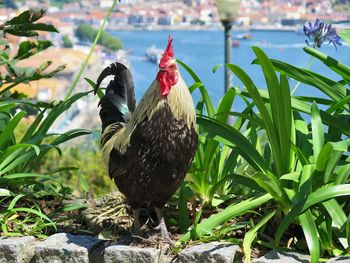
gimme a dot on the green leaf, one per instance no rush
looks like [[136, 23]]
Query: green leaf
[[83, 183], [307, 222], [14, 201], [225, 105], [301, 106], [32, 47], [331, 88], [228, 213], [343, 174], [32, 211], [72, 207], [28, 16], [339, 104], [317, 130], [339, 219], [216, 67], [184, 222], [330, 62], [7, 106], [323, 157], [268, 124], [345, 35], [251, 235], [326, 193], [23, 24], [26, 175], [99, 91], [272, 186], [7, 133], [228, 135], [298, 201]]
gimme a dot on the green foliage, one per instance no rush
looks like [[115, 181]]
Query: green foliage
[[67, 43], [30, 200], [300, 172], [90, 170], [23, 24], [86, 33]]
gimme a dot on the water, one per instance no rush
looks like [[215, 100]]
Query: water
[[202, 50]]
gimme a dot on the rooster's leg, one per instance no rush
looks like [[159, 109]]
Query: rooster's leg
[[162, 226], [136, 215]]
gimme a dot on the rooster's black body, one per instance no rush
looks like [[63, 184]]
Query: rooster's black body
[[149, 148]]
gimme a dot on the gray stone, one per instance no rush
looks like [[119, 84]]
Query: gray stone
[[120, 253], [341, 259], [62, 248], [214, 252], [282, 257], [16, 249]]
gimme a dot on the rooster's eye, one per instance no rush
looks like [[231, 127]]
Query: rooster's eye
[[172, 67]]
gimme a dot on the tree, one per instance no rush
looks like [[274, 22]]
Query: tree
[[87, 33], [67, 43]]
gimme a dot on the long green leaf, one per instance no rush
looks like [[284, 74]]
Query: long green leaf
[[326, 193], [7, 133], [339, 219], [14, 201], [330, 62], [331, 88], [298, 201], [317, 130], [253, 92], [227, 214], [251, 235], [199, 85], [230, 135], [298, 105], [311, 235]]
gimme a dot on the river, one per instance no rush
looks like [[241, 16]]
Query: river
[[202, 50]]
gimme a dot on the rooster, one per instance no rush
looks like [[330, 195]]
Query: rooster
[[148, 149]]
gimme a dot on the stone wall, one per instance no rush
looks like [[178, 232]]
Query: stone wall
[[84, 249]]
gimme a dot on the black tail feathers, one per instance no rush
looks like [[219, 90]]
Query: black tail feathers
[[118, 103]]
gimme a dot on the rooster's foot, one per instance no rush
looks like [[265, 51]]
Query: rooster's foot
[[163, 228]]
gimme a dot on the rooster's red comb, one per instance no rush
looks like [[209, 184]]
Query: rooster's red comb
[[168, 53]]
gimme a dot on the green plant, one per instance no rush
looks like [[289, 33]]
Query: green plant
[[32, 202], [90, 173], [210, 178], [301, 171]]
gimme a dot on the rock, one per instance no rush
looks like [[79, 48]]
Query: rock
[[120, 253], [214, 252], [282, 257], [61, 248], [16, 249], [340, 259]]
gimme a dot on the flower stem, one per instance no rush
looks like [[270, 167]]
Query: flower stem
[[307, 67], [99, 33]]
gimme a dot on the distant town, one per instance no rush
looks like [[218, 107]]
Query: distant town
[[138, 14]]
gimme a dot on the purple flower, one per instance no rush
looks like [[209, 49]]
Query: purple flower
[[320, 32]]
